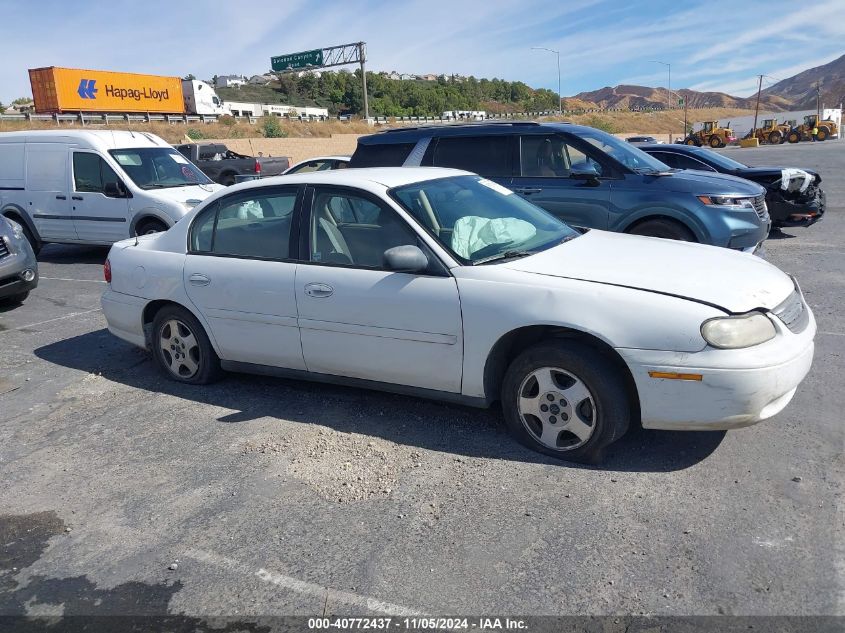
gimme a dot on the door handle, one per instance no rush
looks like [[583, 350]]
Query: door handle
[[318, 290], [61, 197], [527, 191], [198, 279], [76, 198]]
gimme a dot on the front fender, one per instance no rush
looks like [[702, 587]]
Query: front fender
[[13, 209]]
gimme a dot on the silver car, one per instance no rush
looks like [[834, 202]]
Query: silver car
[[18, 266]]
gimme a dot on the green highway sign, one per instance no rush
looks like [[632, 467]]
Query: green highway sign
[[681, 101], [295, 61]]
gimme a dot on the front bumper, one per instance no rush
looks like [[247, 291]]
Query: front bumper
[[13, 265], [738, 387], [788, 213]]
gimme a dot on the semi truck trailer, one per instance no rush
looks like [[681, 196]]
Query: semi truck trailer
[[71, 90]]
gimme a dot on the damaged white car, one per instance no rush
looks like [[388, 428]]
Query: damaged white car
[[439, 283]]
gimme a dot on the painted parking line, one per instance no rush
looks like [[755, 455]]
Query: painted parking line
[[327, 594], [67, 316], [831, 333], [90, 281]]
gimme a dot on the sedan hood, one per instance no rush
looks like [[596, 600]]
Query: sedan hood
[[190, 195], [735, 282], [770, 174], [707, 182]]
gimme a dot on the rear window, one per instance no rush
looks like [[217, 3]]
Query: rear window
[[387, 155], [484, 155]]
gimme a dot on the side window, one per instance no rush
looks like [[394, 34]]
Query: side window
[[382, 155], [351, 229], [549, 156], [253, 224], [485, 155], [91, 173], [667, 158], [688, 162], [314, 165]]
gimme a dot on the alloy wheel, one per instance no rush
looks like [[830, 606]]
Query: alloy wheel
[[179, 349], [557, 408]]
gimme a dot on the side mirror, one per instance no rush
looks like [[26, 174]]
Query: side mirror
[[113, 190], [405, 259], [590, 178]]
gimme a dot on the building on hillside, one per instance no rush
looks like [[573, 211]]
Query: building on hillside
[[261, 80], [393, 75], [20, 108], [315, 73], [230, 81], [428, 77], [407, 77]]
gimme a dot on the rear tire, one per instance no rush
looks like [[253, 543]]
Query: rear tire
[[181, 348], [793, 137], [689, 141], [663, 227], [148, 227], [822, 134], [565, 399]]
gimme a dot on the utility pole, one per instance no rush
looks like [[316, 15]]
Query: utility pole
[[559, 95], [362, 53], [757, 109]]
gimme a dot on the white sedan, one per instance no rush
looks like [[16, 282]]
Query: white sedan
[[439, 283], [319, 163]]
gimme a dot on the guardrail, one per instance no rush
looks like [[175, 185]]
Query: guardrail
[[108, 119]]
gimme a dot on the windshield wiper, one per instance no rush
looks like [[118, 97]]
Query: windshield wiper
[[506, 255]]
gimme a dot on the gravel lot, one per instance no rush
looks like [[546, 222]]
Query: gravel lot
[[126, 493]]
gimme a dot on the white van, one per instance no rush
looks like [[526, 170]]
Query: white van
[[80, 187]]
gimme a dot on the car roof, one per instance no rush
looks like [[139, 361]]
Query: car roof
[[381, 177], [333, 157], [680, 148], [98, 139], [413, 134]]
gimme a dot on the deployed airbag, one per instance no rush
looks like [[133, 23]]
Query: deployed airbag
[[792, 179], [472, 233]]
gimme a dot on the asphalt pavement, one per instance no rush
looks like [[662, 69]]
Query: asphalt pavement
[[123, 492]]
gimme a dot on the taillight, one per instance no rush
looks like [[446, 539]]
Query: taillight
[[257, 168], [107, 271]]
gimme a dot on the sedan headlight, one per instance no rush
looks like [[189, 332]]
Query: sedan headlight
[[735, 332], [727, 201]]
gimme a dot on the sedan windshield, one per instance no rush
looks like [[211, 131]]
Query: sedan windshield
[[627, 154], [480, 221], [158, 168]]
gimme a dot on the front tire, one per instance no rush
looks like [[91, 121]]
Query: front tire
[[14, 300], [181, 348], [793, 137], [565, 399], [775, 138], [665, 228], [822, 134], [715, 141], [150, 226]]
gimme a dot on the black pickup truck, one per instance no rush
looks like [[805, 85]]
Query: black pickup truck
[[222, 165]]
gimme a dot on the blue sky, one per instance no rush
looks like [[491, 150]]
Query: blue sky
[[711, 44]]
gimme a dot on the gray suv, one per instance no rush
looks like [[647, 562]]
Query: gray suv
[[585, 177], [18, 266]]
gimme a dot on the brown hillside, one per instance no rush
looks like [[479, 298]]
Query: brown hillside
[[642, 97], [800, 89]]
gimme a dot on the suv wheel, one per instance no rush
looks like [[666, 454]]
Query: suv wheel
[[665, 228]]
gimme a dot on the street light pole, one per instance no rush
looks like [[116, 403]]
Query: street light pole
[[559, 96]]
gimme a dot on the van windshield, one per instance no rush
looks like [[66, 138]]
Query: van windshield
[[480, 221], [158, 168]]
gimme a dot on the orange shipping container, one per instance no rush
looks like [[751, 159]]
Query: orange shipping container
[[57, 90]]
